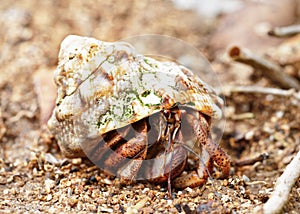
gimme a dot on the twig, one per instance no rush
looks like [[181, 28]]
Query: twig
[[256, 183], [270, 69], [252, 161], [19, 115], [283, 187], [227, 90], [243, 116], [2, 126], [286, 31]]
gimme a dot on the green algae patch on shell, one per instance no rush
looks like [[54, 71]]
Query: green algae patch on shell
[[104, 86]]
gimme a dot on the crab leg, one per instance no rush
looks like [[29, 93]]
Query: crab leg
[[110, 140], [169, 158], [158, 169], [211, 152], [135, 148], [214, 150], [219, 156]]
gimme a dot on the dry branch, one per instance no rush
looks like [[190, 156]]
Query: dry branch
[[2, 126], [252, 161], [283, 187], [227, 90], [286, 31], [269, 69]]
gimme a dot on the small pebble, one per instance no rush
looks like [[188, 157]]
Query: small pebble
[[186, 209], [70, 191], [74, 169], [245, 178], [169, 202], [107, 181], [93, 179], [188, 189], [178, 207], [225, 198], [249, 135], [145, 190], [51, 159], [163, 189], [49, 184], [49, 197], [279, 114], [76, 161]]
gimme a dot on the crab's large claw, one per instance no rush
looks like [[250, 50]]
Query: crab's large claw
[[194, 179]]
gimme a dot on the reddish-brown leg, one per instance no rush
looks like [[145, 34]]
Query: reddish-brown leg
[[211, 152], [96, 150], [201, 128], [135, 148], [159, 168], [167, 157]]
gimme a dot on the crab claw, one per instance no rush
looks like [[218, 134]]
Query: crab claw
[[195, 178]]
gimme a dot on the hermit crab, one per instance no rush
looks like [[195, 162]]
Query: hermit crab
[[134, 116]]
